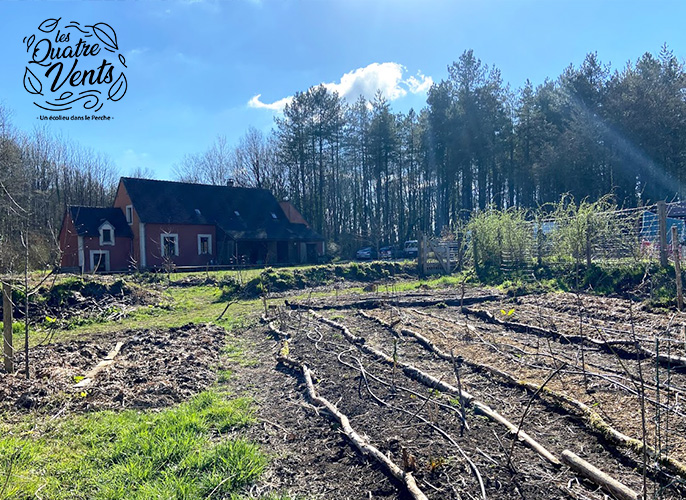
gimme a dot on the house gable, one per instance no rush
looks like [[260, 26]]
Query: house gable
[[95, 238]]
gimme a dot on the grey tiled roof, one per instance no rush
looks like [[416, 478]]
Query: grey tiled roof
[[242, 213], [88, 220]]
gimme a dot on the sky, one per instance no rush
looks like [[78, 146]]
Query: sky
[[199, 69]]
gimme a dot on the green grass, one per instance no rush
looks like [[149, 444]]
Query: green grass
[[199, 304], [181, 452]]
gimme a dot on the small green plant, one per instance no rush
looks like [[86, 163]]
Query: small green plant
[[224, 375]]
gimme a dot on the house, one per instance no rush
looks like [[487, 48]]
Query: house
[[194, 225], [94, 238]]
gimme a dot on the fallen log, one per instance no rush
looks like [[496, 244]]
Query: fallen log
[[432, 382], [592, 419], [379, 302], [613, 346], [107, 361], [367, 449], [598, 477]]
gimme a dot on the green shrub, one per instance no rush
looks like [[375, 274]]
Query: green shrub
[[496, 233]]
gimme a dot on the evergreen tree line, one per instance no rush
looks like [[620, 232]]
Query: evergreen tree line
[[361, 173]]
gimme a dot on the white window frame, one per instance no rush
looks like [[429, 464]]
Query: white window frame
[[176, 244], [209, 244], [106, 225], [106, 253], [129, 214]]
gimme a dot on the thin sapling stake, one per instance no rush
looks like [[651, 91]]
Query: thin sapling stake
[[526, 411], [456, 369]]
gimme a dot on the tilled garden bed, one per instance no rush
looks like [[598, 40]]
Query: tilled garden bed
[[153, 368], [421, 428]]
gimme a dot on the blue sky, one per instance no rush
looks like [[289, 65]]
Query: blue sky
[[195, 68]]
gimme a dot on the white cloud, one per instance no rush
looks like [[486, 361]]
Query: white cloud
[[136, 52], [419, 84], [386, 77], [274, 106]]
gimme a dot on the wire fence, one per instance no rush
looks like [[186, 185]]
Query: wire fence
[[586, 233]]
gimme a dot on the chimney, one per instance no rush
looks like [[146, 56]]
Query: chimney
[[229, 183]]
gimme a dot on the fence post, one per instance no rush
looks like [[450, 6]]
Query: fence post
[[425, 249], [677, 268], [539, 242], [588, 244], [8, 350], [662, 231], [420, 254]]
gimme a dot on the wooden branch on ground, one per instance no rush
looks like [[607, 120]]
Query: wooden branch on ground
[[611, 345], [107, 361], [380, 301], [592, 419], [598, 477], [434, 383], [406, 478]]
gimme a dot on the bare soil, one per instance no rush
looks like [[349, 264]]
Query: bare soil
[[406, 420], [389, 415], [154, 368]]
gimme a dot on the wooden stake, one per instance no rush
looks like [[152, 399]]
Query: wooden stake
[[662, 231], [677, 268], [598, 477], [7, 309]]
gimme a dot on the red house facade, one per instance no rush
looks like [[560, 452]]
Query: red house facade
[[185, 224], [95, 239]]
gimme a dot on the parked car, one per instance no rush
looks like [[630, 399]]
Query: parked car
[[411, 249], [366, 253], [390, 252]]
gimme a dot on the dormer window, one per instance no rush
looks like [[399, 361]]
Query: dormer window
[[106, 234]]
